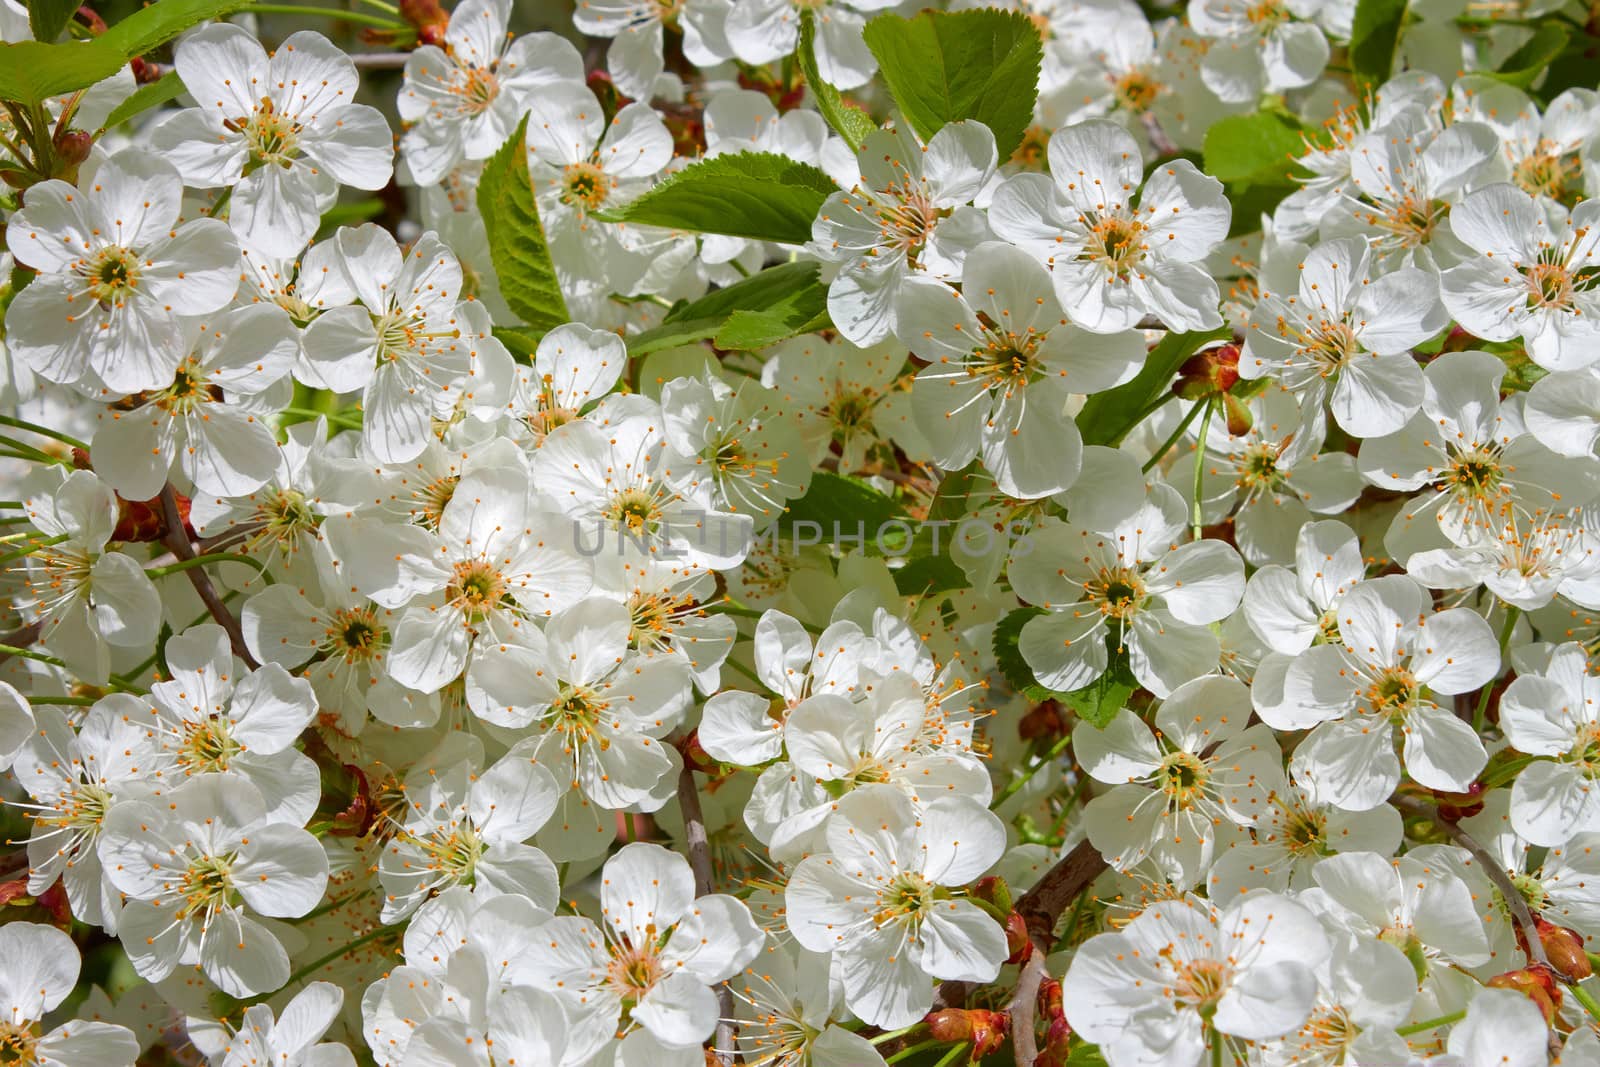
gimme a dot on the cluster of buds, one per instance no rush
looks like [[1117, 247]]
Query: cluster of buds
[[1214, 375], [1056, 1050]]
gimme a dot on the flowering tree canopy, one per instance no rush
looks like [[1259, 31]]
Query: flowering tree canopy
[[800, 533]]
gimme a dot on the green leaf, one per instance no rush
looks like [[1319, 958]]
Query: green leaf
[[32, 72], [516, 238], [1008, 657], [1258, 148], [47, 18], [790, 294], [843, 507], [852, 125], [943, 67], [1098, 702], [1534, 57], [1374, 38], [759, 195], [519, 342], [158, 92], [1108, 416]]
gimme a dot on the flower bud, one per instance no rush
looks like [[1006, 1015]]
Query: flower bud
[[1564, 947], [986, 1030], [1046, 721], [994, 890], [1538, 983], [1216, 370], [72, 148], [1453, 807], [1017, 939], [428, 17]]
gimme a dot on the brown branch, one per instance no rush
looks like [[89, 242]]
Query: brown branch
[[694, 832], [178, 541], [1040, 908], [1496, 872]]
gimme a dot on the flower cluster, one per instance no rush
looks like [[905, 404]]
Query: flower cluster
[[808, 533]]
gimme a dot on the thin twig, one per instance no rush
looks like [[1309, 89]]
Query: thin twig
[[380, 60], [694, 831], [1158, 137], [1040, 908], [1496, 872], [178, 542]]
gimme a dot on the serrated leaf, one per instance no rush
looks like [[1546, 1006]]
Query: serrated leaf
[[1375, 37], [1098, 702], [32, 72], [790, 292], [1008, 657], [1254, 148], [47, 18], [840, 507], [1107, 417], [517, 244], [161, 91], [759, 195], [1534, 57], [851, 124], [943, 67]]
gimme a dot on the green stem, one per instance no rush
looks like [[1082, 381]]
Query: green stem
[[1143, 413], [746, 671], [356, 17], [381, 6], [1480, 718], [62, 698], [950, 1057], [330, 905], [210, 557], [1200, 466], [1584, 997], [348, 421], [1044, 761], [31, 549], [1172, 439], [892, 1034], [750, 613], [43, 431], [28, 653], [907, 1053], [1431, 1024], [322, 961]]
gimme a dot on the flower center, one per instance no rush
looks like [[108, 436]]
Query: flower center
[[1258, 468], [1393, 693], [905, 899], [17, 1044], [1474, 475], [111, 274], [584, 185], [477, 89], [1411, 220], [207, 886], [271, 137], [454, 852], [208, 746], [1200, 986], [1546, 171], [1183, 778], [476, 589], [354, 635], [1119, 591], [1550, 285], [633, 972], [1304, 831], [1007, 359], [1135, 90], [401, 333], [576, 712], [635, 510], [1116, 242]]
